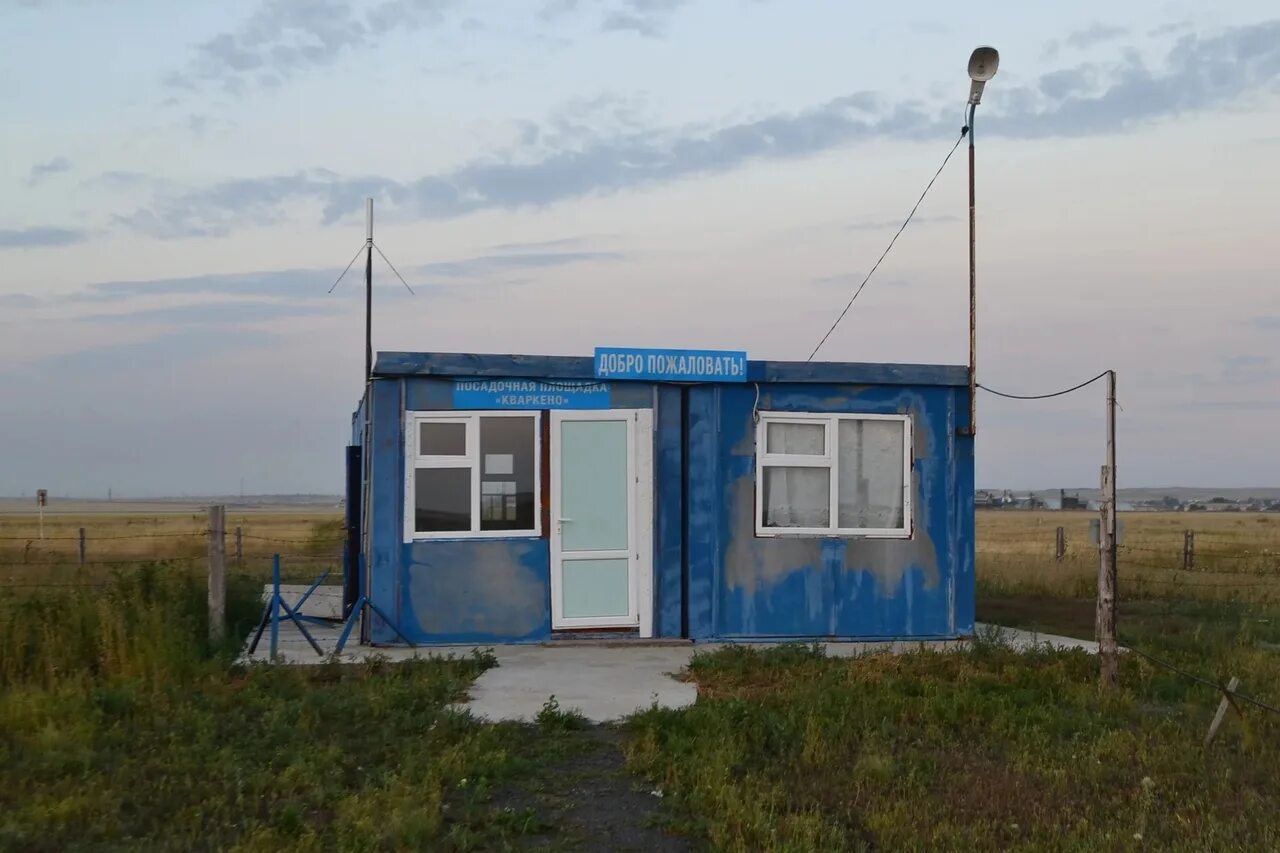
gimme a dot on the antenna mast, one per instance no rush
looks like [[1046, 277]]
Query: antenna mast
[[368, 290]]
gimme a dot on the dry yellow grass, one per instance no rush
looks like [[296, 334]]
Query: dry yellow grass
[[1237, 554], [308, 540]]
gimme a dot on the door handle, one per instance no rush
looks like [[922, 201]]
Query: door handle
[[563, 520]]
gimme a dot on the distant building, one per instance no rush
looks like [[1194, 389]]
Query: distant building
[[1071, 502]]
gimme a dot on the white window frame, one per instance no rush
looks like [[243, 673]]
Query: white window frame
[[471, 459], [828, 460]]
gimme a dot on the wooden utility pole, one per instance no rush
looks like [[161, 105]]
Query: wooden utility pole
[[82, 546], [239, 547], [1189, 550], [217, 573], [1106, 622]]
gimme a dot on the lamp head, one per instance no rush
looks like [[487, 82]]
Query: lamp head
[[983, 63]]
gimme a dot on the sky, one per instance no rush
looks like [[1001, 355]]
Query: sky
[[183, 182]]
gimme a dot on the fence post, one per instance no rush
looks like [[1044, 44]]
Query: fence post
[[217, 573], [1061, 544], [1189, 550], [82, 548], [239, 547], [1221, 713]]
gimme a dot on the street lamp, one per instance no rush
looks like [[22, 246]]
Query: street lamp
[[983, 63]]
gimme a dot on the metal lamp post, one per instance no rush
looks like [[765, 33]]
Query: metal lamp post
[[982, 67]]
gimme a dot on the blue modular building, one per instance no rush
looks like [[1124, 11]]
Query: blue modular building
[[658, 493]]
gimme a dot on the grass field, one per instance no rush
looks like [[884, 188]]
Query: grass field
[[1237, 555], [121, 727], [309, 541]]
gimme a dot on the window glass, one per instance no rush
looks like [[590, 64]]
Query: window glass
[[870, 455], [442, 439], [796, 439], [796, 497], [507, 487], [442, 499]]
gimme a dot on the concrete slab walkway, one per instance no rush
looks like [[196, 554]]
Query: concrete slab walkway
[[603, 681]]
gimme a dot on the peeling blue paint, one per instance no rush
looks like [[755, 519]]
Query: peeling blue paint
[[713, 577], [479, 591], [668, 552]]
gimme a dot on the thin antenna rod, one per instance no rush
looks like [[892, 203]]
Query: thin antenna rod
[[368, 291]]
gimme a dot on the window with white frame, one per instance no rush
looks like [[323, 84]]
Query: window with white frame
[[833, 475], [472, 474]]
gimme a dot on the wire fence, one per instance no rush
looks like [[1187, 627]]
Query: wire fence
[[1200, 605], [94, 559]]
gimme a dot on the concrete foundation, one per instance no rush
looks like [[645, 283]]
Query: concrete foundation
[[604, 680]]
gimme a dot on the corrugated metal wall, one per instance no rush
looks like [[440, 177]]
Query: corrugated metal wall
[[712, 576]]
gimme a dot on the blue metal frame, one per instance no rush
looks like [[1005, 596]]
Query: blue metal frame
[[271, 615]]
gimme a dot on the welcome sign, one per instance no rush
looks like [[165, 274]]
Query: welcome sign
[[671, 365]]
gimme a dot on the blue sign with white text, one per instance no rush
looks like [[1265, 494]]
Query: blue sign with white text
[[671, 365], [529, 394]]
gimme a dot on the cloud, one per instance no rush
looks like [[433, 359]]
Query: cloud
[[283, 38], [846, 279], [236, 313], [1170, 28], [1198, 73], [886, 224], [560, 243], [601, 165], [1246, 368], [40, 237], [553, 9], [1269, 322], [647, 18], [303, 284], [1094, 34], [217, 210], [1220, 406], [507, 263], [124, 180], [280, 284], [40, 171], [1245, 362], [1057, 85], [141, 357]]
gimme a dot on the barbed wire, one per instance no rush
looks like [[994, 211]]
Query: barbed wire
[[117, 538], [90, 538], [307, 541], [103, 583], [162, 560], [1179, 582], [1206, 554], [1202, 680], [133, 562]]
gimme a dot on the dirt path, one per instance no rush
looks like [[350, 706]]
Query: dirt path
[[588, 801]]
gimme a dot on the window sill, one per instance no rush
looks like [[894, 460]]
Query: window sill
[[795, 533], [496, 536]]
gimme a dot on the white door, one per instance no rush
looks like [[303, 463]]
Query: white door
[[601, 519]]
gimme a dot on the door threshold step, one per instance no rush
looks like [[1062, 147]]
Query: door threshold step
[[611, 641]]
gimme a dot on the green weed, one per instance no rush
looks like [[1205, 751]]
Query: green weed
[[788, 749]]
